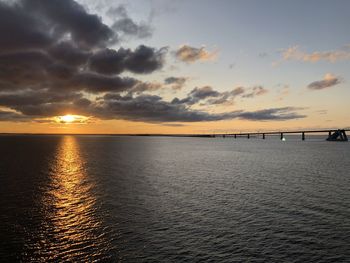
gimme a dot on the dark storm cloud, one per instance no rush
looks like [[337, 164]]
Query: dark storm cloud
[[145, 59], [69, 17], [108, 61], [24, 67], [328, 81], [68, 52], [20, 30], [96, 83], [142, 60]]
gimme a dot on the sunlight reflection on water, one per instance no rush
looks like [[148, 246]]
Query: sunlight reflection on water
[[72, 231]]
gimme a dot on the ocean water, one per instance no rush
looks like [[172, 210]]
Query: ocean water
[[160, 199]]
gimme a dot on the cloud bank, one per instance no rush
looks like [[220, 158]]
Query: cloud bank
[[57, 58]]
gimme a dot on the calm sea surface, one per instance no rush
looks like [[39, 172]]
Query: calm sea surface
[[158, 199]]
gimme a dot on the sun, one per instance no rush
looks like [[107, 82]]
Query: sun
[[67, 118]]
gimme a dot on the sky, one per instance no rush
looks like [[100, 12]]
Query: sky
[[175, 67]]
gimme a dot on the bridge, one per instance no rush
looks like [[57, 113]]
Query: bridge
[[333, 134]]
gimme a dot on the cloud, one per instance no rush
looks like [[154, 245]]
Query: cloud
[[142, 60], [56, 58], [256, 91], [31, 97], [190, 54], [141, 87], [126, 27], [226, 97], [65, 57], [69, 17], [294, 53], [277, 114], [150, 108], [96, 83], [203, 93], [20, 30], [145, 59], [69, 53], [12, 116], [328, 81], [176, 83], [208, 96], [196, 95]]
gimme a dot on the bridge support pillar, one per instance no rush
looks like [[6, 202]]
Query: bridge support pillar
[[303, 136], [338, 135], [281, 135], [248, 135], [263, 136], [235, 136]]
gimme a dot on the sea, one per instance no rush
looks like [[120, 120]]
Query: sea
[[66, 198]]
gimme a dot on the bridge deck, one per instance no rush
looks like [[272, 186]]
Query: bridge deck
[[283, 132], [333, 134]]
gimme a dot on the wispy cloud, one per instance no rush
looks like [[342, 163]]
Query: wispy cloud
[[328, 81], [190, 54], [295, 53], [176, 83], [256, 91]]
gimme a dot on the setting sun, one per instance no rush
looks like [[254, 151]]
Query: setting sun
[[67, 118]]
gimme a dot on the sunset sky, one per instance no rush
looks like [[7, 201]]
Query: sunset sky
[[103, 66]]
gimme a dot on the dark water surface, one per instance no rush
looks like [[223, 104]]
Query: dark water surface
[[153, 199]]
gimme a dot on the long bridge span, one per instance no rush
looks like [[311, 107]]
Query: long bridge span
[[333, 134]]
